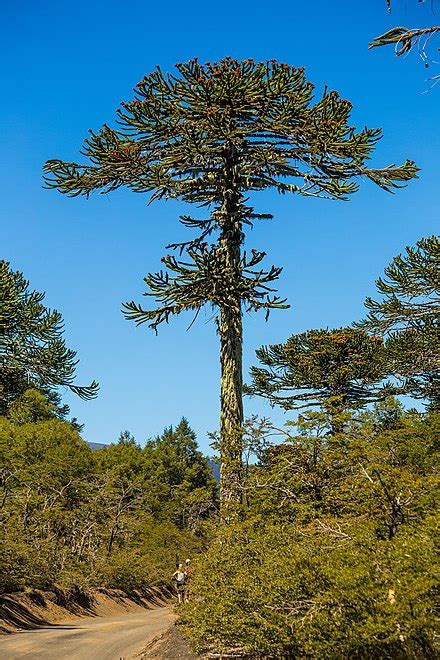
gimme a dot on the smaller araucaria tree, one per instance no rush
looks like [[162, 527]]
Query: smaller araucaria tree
[[32, 351], [408, 315], [338, 370]]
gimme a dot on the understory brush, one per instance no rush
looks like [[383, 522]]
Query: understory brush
[[336, 552], [119, 517]]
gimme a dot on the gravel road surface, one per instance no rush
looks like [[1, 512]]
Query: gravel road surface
[[95, 638]]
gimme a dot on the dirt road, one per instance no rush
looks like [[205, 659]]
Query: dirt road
[[94, 638]]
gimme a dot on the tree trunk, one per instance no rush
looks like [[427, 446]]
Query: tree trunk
[[231, 414], [336, 406], [231, 344]]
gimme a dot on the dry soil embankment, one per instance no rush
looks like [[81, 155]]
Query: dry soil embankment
[[104, 623], [33, 609]]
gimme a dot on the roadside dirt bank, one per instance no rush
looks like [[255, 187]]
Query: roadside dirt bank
[[32, 609], [170, 644]]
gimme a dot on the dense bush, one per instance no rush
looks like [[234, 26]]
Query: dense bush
[[116, 517], [335, 556], [289, 591]]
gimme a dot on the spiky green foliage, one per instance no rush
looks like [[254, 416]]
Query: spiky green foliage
[[210, 135], [173, 138], [206, 279], [215, 132], [408, 315], [32, 350], [336, 369]]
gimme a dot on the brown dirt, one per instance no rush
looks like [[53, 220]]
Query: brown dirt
[[33, 609], [171, 644], [100, 637]]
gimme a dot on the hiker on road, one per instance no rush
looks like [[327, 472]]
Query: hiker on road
[[188, 576], [179, 576]]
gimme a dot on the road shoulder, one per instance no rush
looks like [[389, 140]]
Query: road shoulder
[[170, 644]]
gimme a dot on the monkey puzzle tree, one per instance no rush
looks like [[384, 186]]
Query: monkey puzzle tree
[[32, 351], [210, 135], [408, 315], [338, 370]]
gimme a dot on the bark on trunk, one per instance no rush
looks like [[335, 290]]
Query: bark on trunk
[[231, 344], [231, 415]]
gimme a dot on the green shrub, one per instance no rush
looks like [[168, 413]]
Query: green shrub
[[285, 591], [335, 556]]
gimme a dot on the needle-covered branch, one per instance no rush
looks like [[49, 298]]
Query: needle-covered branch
[[170, 140], [405, 39], [407, 315], [410, 289], [207, 279], [341, 369], [32, 349]]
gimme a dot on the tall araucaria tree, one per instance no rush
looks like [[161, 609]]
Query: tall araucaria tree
[[210, 135]]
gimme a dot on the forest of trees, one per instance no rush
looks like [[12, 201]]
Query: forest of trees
[[332, 552], [114, 517], [321, 540]]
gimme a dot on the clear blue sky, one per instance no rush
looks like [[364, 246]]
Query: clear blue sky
[[65, 67]]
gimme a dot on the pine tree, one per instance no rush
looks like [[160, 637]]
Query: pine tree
[[337, 370], [408, 315], [210, 135], [32, 351]]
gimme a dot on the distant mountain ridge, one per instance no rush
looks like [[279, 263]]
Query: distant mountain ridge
[[215, 468], [96, 445]]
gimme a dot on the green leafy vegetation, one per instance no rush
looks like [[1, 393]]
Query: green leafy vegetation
[[116, 517], [335, 556]]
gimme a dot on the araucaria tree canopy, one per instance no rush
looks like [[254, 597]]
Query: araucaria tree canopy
[[338, 370], [210, 135], [408, 316], [32, 348]]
